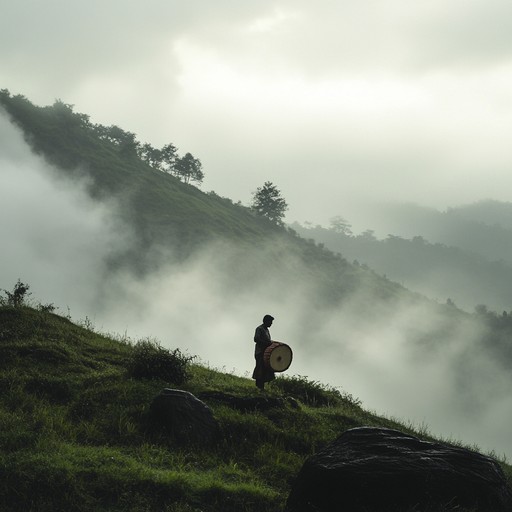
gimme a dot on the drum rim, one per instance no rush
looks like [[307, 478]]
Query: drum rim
[[267, 355]]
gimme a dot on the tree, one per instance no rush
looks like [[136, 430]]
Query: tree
[[70, 119], [17, 297], [368, 235], [125, 141], [341, 226], [267, 202], [188, 168], [168, 157], [151, 155]]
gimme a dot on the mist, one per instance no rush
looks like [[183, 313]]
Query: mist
[[60, 242], [53, 236]]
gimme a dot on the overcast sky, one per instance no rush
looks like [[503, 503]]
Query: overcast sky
[[340, 104]]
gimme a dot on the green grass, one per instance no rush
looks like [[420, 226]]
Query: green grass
[[76, 434]]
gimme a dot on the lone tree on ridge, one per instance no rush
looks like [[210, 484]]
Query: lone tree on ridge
[[268, 202]]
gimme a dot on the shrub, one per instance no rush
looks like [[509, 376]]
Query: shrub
[[17, 297], [150, 360], [313, 392], [46, 308]]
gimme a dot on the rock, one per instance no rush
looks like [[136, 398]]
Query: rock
[[246, 403], [185, 416], [376, 469]]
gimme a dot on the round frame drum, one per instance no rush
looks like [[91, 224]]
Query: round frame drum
[[278, 356]]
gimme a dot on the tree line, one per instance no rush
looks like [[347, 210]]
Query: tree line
[[186, 168], [267, 200]]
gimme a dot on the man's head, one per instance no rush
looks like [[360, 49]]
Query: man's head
[[267, 320]]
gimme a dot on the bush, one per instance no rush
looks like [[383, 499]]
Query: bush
[[150, 360], [312, 392], [17, 298]]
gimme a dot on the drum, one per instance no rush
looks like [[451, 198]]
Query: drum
[[278, 356]]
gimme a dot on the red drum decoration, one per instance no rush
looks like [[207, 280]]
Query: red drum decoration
[[278, 356]]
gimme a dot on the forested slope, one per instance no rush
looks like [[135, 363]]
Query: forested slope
[[167, 213]]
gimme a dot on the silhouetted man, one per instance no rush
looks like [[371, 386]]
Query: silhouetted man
[[262, 338]]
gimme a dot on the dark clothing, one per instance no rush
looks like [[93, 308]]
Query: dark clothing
[[262, 339], [262, 373]]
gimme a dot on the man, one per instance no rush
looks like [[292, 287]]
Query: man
[[262, 339]]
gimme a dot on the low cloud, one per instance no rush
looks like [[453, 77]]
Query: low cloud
[[53, 235]]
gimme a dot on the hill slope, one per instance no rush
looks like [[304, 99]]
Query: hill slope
[[76, 432], [159, 206], [170, 219]]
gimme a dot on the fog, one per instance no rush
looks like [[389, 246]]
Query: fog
[[61, 243], [52, 235]]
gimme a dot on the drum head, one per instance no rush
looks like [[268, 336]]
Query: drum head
[[280, 358]]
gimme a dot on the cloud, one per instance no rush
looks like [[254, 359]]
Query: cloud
[[338, 38], [53, 236]]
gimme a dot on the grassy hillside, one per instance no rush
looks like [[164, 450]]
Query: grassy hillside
[[158, 205], [76, 432]]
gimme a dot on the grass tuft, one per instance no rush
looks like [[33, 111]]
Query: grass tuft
[[149, 360], [314, 393]]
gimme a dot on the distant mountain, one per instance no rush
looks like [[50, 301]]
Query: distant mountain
[[439, 271], [483, 228], [489, 212]]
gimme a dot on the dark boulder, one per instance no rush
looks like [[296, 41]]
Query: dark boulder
[[184, 416], [376, 469]]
